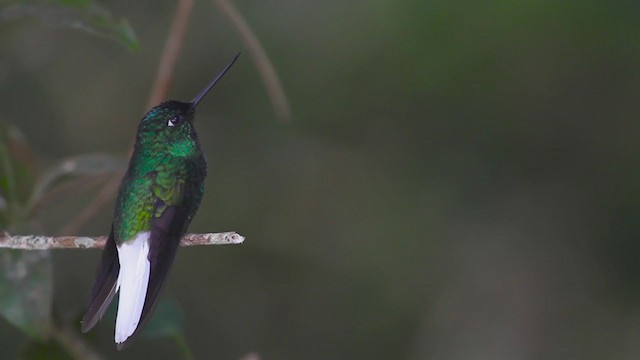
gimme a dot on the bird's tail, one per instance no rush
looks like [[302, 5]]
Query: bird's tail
[[133, 281]]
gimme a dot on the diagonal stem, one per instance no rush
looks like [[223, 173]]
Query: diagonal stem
[[260, 60], [104, 196], [171, 52], [75, 345]]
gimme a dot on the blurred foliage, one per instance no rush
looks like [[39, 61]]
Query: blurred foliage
[[84, 166], [26, 279], [166, 322], [26, 290], [85, 15], [17, 175], [47, 349]]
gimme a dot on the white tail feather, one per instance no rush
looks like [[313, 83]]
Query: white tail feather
[[133, 280]]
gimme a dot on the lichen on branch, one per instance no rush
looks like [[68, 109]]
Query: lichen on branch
[[41, 242]]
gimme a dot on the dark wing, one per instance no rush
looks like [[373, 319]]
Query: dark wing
[[104, 286], [166, 232]]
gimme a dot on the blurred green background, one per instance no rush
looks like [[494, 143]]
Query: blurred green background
[[461, 179]]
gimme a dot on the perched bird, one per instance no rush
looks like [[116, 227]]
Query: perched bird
[[157, 199]]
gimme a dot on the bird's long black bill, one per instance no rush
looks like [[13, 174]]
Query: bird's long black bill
[[204, 91]]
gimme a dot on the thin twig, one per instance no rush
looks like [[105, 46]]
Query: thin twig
[[75, 345], [41, 242], [74, 186], [166, 67], [103, 197], [260, 59], [251, 356], [171, 52]]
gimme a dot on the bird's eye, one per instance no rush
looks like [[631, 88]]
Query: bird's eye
[[174, 121]]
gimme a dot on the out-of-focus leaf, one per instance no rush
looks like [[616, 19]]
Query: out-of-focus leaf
[[82, 165], [50, 350], [85, 15], [124, 32], [75, 3], [166, 321], [17, 171], [26, 290]]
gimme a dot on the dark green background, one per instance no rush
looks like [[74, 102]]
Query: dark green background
[[461, 179]]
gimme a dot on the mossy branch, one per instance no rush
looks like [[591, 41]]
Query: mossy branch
[[41, 242]]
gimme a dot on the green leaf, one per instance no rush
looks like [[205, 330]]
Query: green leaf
[[124, 32], [81, 165], [26, 290], [167, 321], [17, 171], [50, 350], [75, 3], [85, 15]]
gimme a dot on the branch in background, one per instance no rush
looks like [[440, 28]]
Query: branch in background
[[75, 345], [251, 356], [103, 197], [260, 60], [38, 242], [79, 185], [172, 49], [164, 75]]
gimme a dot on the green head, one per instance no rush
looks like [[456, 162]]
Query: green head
[[168, 127]]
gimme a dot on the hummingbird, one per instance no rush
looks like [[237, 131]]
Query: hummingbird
[[157, 199]]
